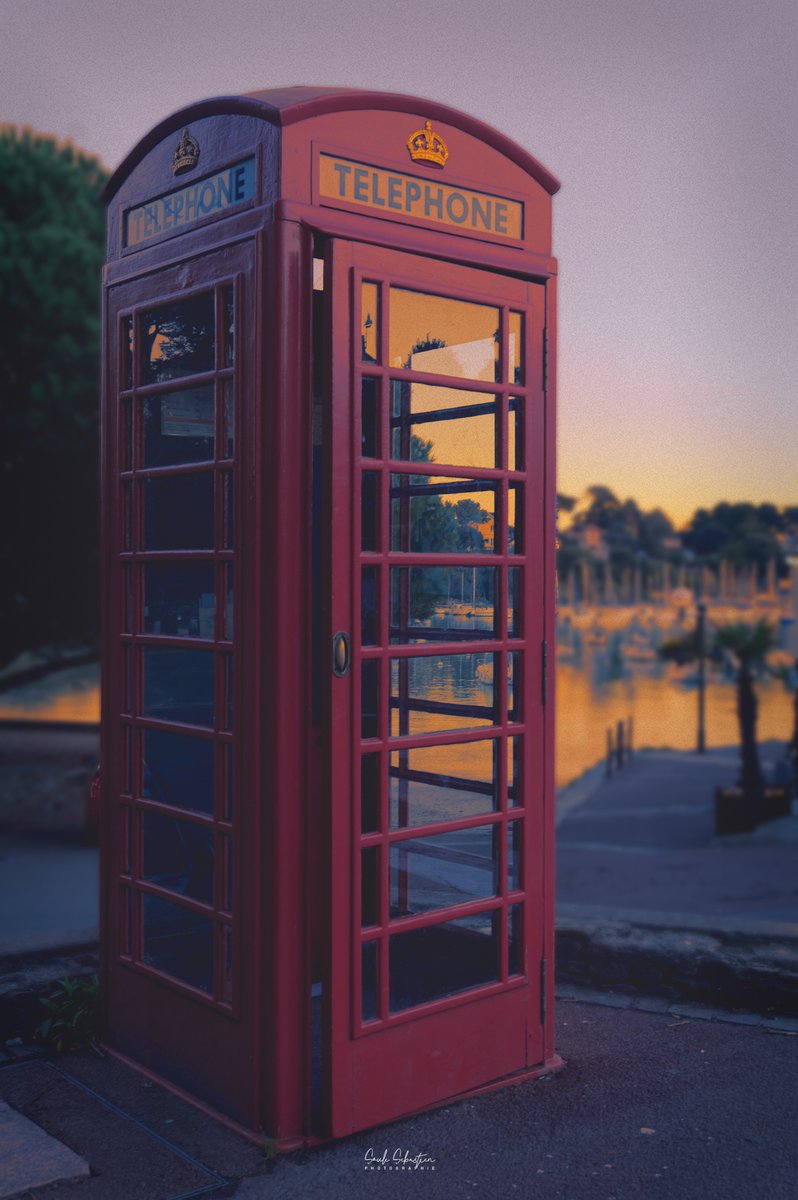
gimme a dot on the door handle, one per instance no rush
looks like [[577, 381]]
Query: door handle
[[340, 654]]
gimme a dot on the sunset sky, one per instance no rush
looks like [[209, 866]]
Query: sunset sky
[[671, 125]]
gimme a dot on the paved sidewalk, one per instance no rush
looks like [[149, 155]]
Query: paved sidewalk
[[649, 1105]]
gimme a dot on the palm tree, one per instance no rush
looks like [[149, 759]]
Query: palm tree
[[747, 646]]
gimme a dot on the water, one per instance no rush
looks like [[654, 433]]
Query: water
[[595, 688]]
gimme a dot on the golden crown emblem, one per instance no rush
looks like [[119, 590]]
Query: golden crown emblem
[[426, 146], [186, 154]]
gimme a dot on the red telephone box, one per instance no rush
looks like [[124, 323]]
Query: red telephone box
[[328, 546]]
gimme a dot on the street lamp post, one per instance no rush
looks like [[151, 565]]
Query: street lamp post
[[702, 677]]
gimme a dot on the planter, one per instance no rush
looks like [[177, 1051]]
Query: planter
[[732, 812]]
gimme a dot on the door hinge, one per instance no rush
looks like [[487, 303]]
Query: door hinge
[[543, 991], [545, 358], [544, 672]]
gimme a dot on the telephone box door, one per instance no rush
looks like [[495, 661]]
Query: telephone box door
[[436, 706]]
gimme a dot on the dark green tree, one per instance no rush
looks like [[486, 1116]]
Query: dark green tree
[[51, 252]]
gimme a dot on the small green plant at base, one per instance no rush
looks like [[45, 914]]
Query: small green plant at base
[[269, 1149], [73, 1014]]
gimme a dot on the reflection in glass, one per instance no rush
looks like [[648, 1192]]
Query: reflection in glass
[[514, 835], [229, 396], [442, 336], [370, 511], [370, 793], [515, 350], [430, 784], [442, 603], [178, 685], [369, 333], [370, 698], [369, 905], [369, 979], [178, 941], [127, 340], [178, 770], [179, 427], [515, 689], [443, 869], [442, 960], [179, 599], [443, 516], [369, 606], [515, 615], [448, 691], [229, 327], [178, 512], [178, 856], [515, 435], [442, 425], [177, 339], [514, 772], [369, 409], [515, 519], [126, 435]]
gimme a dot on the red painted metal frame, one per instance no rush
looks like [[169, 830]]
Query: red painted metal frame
[[299, 855], [355, 1104]]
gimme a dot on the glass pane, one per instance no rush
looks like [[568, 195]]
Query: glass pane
[[442, 516], [515, 519], [442, 425], [226, 752], [515, 614], [178, 856], [369, 606], [369, 907], [442, 960], [229, 692], [229, 327], [444, 869], [179, 427], [178, 512], [178, 685], [514, 842], [515, 350], [227, 602], [514, 772], [370, 793], [369, 333], [177, 339], [370, 511], [128, 328], [369, 980], [516, 935], [125, 839], [228, 445], [177, 770], [178, 942], [447, 691], [442, 783], [179, 599], [228, 874], [515, 435], [443, 336], [125, 436], [369, 418], [515, 687], [442, 604], [228, 527], [370, 698]]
